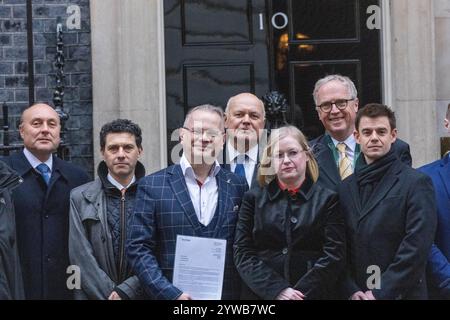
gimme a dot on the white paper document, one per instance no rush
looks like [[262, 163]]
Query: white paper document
[[199, 267]]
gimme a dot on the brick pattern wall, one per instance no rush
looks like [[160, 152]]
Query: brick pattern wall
[[77, 51]]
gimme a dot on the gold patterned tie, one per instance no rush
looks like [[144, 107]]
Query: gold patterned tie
[[345, 165]]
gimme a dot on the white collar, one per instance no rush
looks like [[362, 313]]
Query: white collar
[[35, 161], [350, 142], [186, 166], [233, 153], [117, 184]]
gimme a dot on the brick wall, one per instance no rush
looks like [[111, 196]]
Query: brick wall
[[77, 51]]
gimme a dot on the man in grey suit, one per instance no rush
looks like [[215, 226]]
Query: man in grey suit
[[193, 198]]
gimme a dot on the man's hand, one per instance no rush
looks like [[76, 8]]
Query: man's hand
[[290, 294], [114, 296], [184, 296], [369, 295], [359, 295]]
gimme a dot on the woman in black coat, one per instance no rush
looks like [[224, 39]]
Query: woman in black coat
[[290, 238]]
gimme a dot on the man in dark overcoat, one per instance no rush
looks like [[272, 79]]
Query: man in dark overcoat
[[42, 204], [390, 216]]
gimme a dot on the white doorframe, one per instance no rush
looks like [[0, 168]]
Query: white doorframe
[[386, 54]]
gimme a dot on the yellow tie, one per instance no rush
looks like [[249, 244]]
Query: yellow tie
[[345, 165]]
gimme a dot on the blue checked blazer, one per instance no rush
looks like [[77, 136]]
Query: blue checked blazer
[[163, 210]]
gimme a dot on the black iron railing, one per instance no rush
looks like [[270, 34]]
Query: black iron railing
[[58, 101]]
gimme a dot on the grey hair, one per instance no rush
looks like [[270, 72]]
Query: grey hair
[[206, 107], [346, 81]]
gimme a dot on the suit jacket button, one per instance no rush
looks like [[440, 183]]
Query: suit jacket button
[[294, 220], [285, 251]]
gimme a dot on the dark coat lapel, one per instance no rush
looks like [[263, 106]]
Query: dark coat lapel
[[57, 172], [223, 186], [20, 163], [353, 190], [444, 173], [326, 162], [385, 185], [179, 187]]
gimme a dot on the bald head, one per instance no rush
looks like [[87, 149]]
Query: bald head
[[244, 120], [40, 129], [246, 98], [37, 108]]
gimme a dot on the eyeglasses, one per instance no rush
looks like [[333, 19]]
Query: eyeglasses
[[341, 104], [210, 133]]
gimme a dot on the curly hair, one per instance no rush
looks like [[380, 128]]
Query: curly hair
[[121, 126]]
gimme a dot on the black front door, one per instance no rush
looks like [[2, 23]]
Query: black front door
[[214, 50], [218, 48], [313, 38]]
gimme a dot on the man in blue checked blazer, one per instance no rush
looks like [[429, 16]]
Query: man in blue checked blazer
[[195, 198]]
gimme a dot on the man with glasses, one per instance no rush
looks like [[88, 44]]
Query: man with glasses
[[336, 151], [193, 198]]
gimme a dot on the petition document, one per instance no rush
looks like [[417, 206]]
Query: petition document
[[199, 267]]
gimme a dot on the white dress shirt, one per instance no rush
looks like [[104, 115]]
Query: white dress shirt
[[249, 164], [204, 197], [35, 161], [117, 184], [350, 146]]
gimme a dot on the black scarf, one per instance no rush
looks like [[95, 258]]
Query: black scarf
[[368, 176]]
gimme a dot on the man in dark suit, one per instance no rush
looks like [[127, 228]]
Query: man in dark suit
[[439, 257], [244, 120], [390, 216], [336, 151], [194, 198], [42, 204]]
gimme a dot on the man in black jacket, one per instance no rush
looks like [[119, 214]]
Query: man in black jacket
[[336, 151], [390, 214], [11, 286]]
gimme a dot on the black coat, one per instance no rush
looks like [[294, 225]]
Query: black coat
[[328, 170], [42, 219], [394, 230], [11, 285], [280, 245]]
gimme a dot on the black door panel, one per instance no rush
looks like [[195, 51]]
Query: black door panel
[[214, 50], [323, 37]]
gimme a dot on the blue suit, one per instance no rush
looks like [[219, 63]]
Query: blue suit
[[42, 222], [163, 210], [438, 260]]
